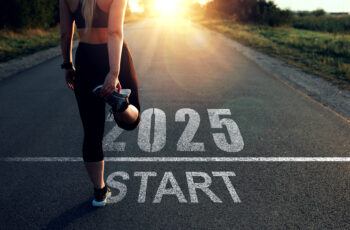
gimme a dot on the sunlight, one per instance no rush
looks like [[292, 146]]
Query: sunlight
[[164, 9], [135, 6], [169, 8], [203, 2]]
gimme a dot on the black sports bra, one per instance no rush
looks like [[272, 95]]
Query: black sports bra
[[100, 18]]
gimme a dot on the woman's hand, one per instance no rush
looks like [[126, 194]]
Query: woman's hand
[[111, 83], [70, 77]]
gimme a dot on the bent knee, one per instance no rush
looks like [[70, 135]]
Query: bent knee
[[129, 126]]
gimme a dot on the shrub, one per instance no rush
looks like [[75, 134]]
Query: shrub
[[23, 13], [268, 13]]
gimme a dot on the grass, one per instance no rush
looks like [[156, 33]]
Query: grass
[[14, 44], [327, 23], [321, 53], [23, 42]]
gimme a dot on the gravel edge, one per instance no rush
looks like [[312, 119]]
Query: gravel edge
[[314, 86], [17, 65]]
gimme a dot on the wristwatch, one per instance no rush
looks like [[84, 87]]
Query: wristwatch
[[67, 65]]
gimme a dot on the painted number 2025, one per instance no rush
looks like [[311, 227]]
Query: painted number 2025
[[234, 142]]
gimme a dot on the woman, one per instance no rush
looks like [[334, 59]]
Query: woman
[[102, 58]]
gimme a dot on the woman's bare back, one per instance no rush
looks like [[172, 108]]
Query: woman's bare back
[[95, 35]]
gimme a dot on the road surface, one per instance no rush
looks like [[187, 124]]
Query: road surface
[[222, 145]]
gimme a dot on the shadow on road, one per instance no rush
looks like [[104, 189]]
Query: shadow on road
[[71, 215]]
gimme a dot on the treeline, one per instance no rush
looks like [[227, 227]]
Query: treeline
[[268, 13], [327, 23], [256, 11], [16, 14]]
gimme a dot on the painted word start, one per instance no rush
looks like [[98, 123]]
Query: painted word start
[[168, 186]]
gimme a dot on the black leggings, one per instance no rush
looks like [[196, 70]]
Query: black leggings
[[92, 67]]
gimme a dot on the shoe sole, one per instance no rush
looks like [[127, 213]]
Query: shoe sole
[[101, 203], [123, 92]]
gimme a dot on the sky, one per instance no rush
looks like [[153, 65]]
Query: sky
[[327, 5]]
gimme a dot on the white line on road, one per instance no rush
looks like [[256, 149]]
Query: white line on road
[[180, 159]]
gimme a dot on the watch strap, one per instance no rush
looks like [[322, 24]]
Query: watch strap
[[67, 65]]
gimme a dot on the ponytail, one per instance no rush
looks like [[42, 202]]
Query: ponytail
[[88, 12]]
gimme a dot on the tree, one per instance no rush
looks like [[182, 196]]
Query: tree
[[318, 12], [24, 13], [257, 11]]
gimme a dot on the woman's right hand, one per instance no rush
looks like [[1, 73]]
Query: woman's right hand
[[110, 85]]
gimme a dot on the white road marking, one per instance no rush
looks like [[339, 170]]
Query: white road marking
[[236, 143], [152, 133], [181, 159], [118, 185], [173, 190], [225, 176], [185, 142], [143, 185], [204, 186], [145, 127], [169, 186], [109, 144]]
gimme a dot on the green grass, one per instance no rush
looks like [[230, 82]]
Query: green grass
[[27, 41], [14, 44], [327, 23], [321, 53]]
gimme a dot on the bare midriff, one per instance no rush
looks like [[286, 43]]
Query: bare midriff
[[93, 36]]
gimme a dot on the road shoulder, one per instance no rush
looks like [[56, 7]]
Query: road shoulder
[[330, 96], [17, 65]]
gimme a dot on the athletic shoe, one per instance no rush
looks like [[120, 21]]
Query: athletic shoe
[[118, 101], [101, 196]]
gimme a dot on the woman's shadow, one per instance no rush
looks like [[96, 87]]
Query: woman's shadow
[[71, 215]]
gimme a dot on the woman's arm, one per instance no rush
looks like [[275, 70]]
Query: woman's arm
[[115, 44], [67, 30]]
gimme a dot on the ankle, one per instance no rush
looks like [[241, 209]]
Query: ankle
[[101, 186]]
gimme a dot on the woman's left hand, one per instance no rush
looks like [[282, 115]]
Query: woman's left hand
[[70, 77], [110, 85]]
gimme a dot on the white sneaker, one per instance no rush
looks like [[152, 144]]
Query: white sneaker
[[101, 196]]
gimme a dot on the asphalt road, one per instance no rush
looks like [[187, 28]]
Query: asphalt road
[[257, 128]]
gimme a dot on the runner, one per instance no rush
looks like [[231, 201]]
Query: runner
[[103, 66]]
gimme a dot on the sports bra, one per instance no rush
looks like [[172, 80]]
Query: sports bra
[[100, 18]]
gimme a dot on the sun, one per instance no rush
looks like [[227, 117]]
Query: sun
[[169, 8]]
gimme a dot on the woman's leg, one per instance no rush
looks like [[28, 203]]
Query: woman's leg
[[92, 113], [130, 118], [91, 109], [130, 115], [96, 173]]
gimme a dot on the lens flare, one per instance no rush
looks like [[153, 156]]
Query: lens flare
[[169, 8]]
